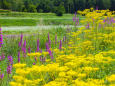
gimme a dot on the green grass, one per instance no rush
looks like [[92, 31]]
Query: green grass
[[17, 22], [33, 19]]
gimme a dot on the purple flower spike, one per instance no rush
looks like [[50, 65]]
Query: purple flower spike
[[60, 45], [75, 15], [10, 60], [49, 41], [19, 57], [77, 20], [9, 69], [0, 58], [24, 49], [73, 19], [34, 63], [76, 23], [104, 20], [3, 56], [1, 76], [52, 57], [21, 39], [38, 45], [1, 37], [41, 51], [87, 26], [19, 44], [24, 45], [112, 20], [47, 47], [51, 54]]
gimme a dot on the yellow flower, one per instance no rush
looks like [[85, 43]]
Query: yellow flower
[[71, 73], [18, 78], [34, 54], [81, 75], [15, 84], [45, 53], [62, 74], [111, 78], [19, 65]]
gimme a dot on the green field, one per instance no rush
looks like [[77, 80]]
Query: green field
[[33, 19]]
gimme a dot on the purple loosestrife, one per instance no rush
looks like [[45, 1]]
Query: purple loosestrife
[[19, 57], [1, 76], [73, 19], [38, 45], [19, 44], [0, 58], [9, 69], [34, 63], [51, 54], [24, 45], [112, 20], [87, 27], [48, 50], [21, 40], [76, 22], [24, 48], [49, 41], [60, 45], [104, 20], [1, 37], [3, 56], [10, 60], [75, 15], [47, 47]]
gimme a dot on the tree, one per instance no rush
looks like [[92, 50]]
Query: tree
[[82, 4], [99, 3], [60, 10], [70, 6], [106, 4], [112, 4], [32, 8]]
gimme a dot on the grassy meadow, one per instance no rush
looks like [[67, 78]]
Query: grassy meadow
[[70, 56], [33, 19]]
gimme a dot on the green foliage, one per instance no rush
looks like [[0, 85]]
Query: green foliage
[[5, 11], [70, 6], [32, 8], [60, 10], [106, 4]]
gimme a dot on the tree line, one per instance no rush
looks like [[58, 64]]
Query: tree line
[[65, 6]]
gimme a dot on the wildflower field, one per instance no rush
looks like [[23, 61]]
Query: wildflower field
[[71, 56]]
